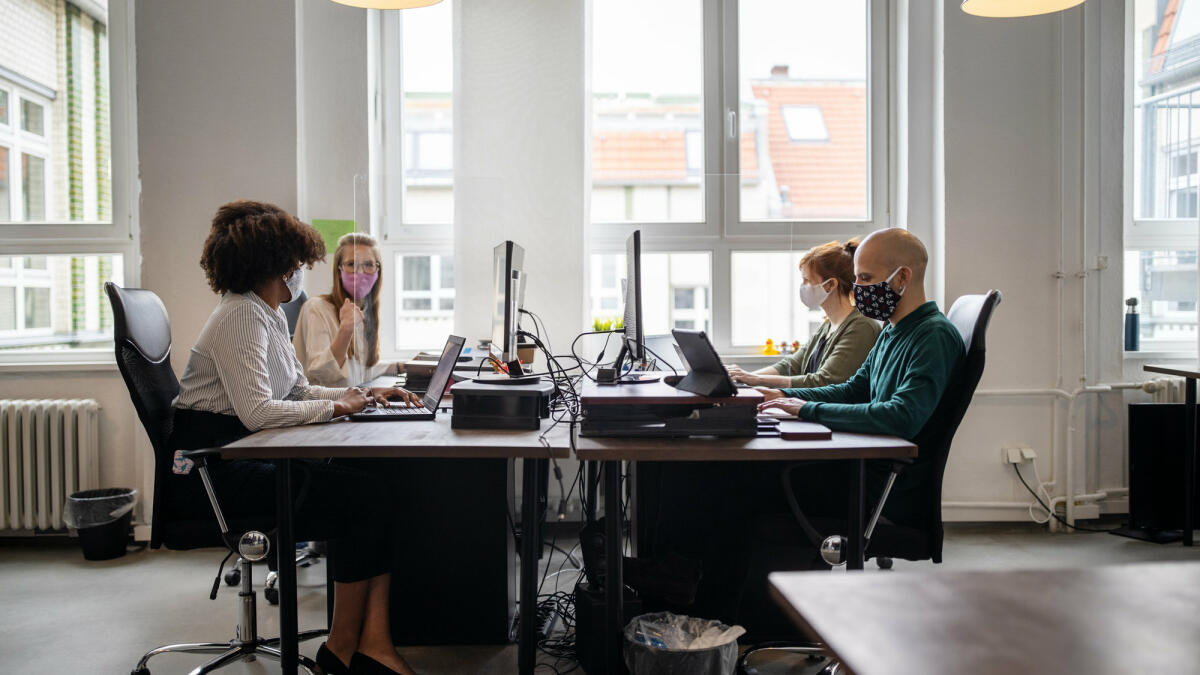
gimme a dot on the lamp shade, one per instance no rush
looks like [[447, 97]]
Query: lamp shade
[[388, 4], [1011, 8]]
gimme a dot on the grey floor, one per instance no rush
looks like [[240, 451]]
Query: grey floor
[[62, 614]]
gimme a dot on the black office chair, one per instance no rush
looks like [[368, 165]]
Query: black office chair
[[142, 337], [884, 541], [291, 309]]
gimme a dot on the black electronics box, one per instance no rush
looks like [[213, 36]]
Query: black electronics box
[[589, 625], [519, 407]]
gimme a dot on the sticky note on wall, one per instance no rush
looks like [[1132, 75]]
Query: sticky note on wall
[[332, 230]]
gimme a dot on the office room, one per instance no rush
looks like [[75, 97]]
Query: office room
[[598, 336]]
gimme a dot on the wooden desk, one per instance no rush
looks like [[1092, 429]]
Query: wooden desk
[[1190, 372], [1120, 619], [612, 451], [435, 439]]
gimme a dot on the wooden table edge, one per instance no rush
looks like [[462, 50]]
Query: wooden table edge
[[1188, 373], [393, 452], [698, 452], [803, 624]]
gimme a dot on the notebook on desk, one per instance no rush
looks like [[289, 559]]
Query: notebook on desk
[[433, 394]]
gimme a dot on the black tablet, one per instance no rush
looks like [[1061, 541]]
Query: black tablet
[[706, 375]]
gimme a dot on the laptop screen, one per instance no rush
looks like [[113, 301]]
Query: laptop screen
[[441, 374]]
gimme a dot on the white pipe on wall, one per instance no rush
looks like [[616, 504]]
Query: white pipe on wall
[[1069, 499]]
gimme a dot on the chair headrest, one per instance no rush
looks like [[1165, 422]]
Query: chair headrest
[[140, 319], [970, 314]]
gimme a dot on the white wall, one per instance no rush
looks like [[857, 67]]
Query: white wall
[[1024, 145]]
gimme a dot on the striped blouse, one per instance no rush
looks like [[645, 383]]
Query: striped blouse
[[243, 364]]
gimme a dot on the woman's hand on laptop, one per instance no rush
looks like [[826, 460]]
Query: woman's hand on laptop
[[790, 406], [384, 395], [352, 400]]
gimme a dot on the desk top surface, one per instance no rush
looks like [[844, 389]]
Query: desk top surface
[[1119, 619], [841, 446], [420, 438], [1189, 370], [659, 393]]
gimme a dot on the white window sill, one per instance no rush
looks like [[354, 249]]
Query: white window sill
[[35, 367], [1150, 355]]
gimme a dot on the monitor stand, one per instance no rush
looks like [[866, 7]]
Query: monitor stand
[[631, 377]]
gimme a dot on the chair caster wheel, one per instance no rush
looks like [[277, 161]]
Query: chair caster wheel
[[884, 563], [272, 595], [143, 671], [233, 577]]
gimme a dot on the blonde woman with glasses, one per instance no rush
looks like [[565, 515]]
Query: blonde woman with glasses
[[337, 334]]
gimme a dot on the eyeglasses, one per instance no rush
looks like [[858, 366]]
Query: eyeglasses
[[362, 266]]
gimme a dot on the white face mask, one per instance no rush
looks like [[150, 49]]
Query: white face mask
[[295, 283], [813, 296]]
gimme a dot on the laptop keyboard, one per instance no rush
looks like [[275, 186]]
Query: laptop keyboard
[[396, 410]]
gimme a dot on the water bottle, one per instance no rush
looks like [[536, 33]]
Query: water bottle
[[1131, 325]]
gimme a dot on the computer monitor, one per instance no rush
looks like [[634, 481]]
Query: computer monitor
[[508, 293], [633, 342]]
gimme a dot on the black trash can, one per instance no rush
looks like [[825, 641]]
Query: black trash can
[[102, 518], [655, 645]]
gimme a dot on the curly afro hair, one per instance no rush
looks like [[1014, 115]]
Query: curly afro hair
[[253, 242]]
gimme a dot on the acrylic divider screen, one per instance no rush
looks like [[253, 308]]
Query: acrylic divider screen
[[765, 299], [803, 79], [676, 290], [427, 116], [424, 300], [647, 111], [56, 302]]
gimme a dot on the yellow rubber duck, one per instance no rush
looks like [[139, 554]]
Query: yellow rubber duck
[[769, 348]]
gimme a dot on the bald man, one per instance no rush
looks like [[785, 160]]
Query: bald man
[[898, 387]]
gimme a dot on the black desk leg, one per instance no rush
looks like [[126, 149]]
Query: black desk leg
[[854, 515], [614, 582], [589, 492], [1189, 462], [289, 646], [531, 541]]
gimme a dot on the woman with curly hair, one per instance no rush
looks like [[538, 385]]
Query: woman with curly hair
[[337, 334], [243, 375]]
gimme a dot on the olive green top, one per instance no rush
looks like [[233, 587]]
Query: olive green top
[[846, 347]]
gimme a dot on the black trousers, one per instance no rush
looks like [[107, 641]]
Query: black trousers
[[345, 503]]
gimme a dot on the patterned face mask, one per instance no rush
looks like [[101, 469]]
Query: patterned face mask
[[877, 301]]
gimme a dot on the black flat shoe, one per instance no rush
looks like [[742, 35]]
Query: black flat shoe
[[361, 664], [329, 662]]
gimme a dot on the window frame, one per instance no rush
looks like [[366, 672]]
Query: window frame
[[118, 236], [722, 231], [1155, 233]]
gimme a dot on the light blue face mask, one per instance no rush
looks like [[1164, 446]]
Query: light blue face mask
[[295, 283]]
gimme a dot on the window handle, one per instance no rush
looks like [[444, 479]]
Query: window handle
[[731, 123]]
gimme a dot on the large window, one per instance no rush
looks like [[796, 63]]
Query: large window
[[1161, 238], [62, 231], [413, 193], [740, 134]]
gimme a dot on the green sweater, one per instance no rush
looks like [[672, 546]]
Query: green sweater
[[899, 385], [845, 349]]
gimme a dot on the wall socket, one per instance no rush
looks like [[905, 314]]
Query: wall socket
[[1017, 454]]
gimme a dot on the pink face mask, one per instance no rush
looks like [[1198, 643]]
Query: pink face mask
[[359, 285]]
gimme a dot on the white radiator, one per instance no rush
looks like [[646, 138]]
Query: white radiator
[[1165, 389], [48, 449]]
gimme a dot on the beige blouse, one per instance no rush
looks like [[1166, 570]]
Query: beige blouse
[[315, 330]]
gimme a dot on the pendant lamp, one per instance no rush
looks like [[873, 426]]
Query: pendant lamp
[[1011, 8], [388, 4]]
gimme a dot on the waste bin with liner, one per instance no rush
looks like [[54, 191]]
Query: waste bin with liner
[[669, 644], [102, 518]]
